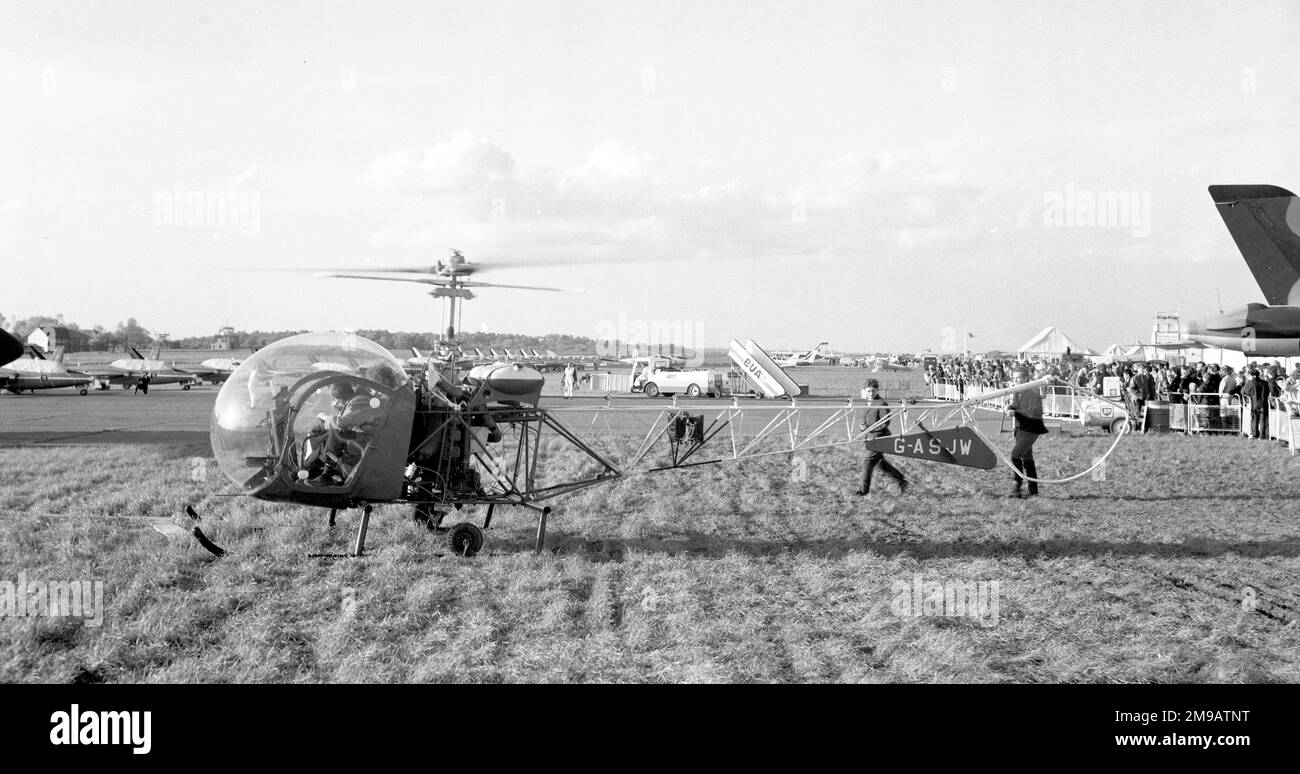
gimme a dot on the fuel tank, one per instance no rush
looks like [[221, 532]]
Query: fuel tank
[[508, 383]]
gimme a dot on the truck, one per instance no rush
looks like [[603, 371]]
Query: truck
[[657, 376]]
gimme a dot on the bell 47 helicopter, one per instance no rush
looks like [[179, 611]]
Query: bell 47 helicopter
[[332, 420]]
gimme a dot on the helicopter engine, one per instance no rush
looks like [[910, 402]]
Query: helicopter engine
[[455, 424]]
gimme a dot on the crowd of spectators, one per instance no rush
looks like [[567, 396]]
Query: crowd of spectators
[[1206, 384]]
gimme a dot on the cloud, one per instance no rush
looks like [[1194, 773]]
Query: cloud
[[460, 164], [612, 165], [14, 207], [623, 202]]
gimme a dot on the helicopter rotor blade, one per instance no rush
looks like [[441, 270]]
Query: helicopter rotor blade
[[351, 275], [518, 287], [446, 282]]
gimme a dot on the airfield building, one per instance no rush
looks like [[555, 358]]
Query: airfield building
[[52, 337], [226, 339], [1167, 328]]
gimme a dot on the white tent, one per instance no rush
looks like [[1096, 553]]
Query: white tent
[[1051, 343]]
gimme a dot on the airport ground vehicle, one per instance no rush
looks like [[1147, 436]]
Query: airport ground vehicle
[[1103, 412], [657, 376]]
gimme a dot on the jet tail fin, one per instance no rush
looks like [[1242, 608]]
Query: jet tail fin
[[1264, 221], [35, 352], [136, 353], [10, 348], [59, 352]]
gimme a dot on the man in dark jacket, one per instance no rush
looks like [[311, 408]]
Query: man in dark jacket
[[1141, 389], [1027, 408], [1256, 391], [876, 422]]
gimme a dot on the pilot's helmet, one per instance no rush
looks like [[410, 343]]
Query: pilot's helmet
[[342, 390]]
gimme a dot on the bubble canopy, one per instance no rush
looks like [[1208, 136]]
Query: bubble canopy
[[245, 418]]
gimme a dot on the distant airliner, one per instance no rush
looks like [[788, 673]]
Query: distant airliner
[[812, 357]]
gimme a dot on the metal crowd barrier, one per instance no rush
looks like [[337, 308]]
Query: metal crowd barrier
[[610, 382], [1283, 417], [949, 389], [1207, 414], [942, 389]]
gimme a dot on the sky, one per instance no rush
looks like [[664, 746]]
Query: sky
[[881, 176]]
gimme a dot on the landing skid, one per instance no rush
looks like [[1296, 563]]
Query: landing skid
[[464, 538], [211, 547]]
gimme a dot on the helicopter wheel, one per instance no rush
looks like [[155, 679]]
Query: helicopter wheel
[[83, 390], [466, 539], [428, 517]]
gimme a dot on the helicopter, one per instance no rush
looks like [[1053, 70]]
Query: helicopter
[[333, 420]]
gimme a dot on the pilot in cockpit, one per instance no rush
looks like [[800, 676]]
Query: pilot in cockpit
[[347, 431]]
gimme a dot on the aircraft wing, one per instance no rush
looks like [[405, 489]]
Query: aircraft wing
[[104, 372]]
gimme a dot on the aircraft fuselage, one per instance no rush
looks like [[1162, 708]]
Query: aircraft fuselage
[[1257, 329]]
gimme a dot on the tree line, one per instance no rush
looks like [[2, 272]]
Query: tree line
[[131, 333]]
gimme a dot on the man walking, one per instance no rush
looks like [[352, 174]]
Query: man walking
[[570, 380], [1027, 408], [876, 422]]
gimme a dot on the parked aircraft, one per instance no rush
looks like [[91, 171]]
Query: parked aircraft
[[813, 357], [35, 372], [10, 348], [127, 371], [1264, 221], [215, 370]]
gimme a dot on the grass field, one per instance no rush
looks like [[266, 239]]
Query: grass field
[[1180, 566]]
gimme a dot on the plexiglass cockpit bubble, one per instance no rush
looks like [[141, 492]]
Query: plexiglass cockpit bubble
[[250, 434]]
